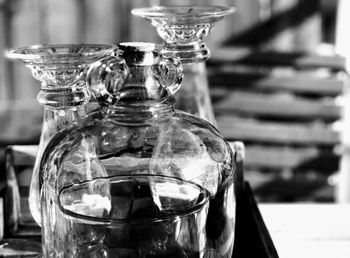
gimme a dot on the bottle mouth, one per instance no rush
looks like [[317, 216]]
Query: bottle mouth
[[137, 46], [139, 53]]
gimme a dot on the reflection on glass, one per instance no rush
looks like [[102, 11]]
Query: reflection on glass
[[135, 216]]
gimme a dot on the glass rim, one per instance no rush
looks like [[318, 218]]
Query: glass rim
[[39, 54], [107, 221], [160, 11]]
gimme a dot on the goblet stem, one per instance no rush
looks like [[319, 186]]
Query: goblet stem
[[195, 88], [53, 121]]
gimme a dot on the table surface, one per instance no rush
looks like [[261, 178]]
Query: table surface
[[309, 230], [303, 230]]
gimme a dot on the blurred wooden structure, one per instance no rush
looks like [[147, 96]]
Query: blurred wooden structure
[[342, 41], [285, 108]]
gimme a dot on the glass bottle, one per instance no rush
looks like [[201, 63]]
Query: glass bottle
[[183, 28], [138, 131], [61, 69]]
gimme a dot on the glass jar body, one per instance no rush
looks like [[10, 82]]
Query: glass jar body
[[171, 143]]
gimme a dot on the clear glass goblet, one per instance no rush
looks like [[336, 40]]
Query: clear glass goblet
[[61, 70], [183, 28]]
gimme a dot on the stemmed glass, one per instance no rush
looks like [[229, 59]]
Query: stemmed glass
[[61, 70], [183, 28]]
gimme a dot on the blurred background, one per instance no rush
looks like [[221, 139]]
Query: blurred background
[[277, 82], [291, 25]]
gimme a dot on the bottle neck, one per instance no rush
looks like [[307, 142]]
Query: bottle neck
[[141, 112], [142, 97], [143, 84]]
